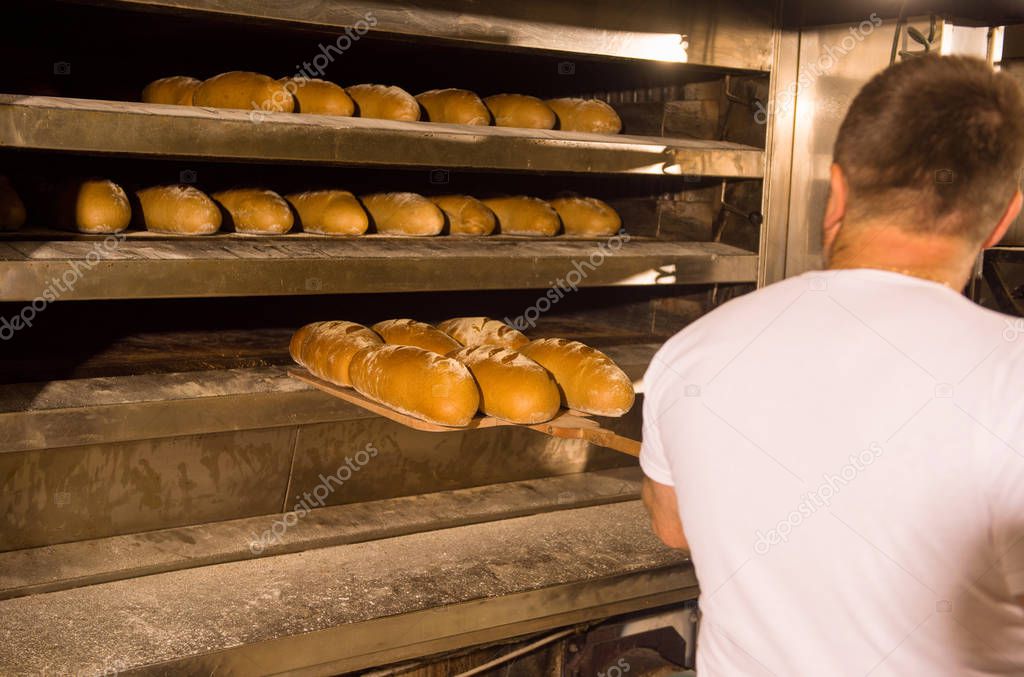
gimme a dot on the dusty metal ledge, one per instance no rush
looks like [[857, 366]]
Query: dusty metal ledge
[[71, 565], [348, 607], [95, 126], [147, 406], [237, 267], [685, 33]]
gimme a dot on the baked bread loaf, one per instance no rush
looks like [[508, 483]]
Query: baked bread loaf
[[245, 90], [181, 210], [256, 211], [419, 334], [381, 101], [326, 348], [521, 215], [588, 379], [93, 206], [319, 97], [416, 382], [12, 209], [512, 386], [586, 115], [403, 214], [466, 215], [177, 90], [586, 216], [520, 110], [482, 331], [330, 212], [454, 106]]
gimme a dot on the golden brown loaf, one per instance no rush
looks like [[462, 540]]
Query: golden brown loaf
[[416, 382], [12, 209], [326, 348], [512, 386], [319, 97], [419, 334], [381, 101], [521, 215], [182, 210], [330, 212], [245, 90], [177, 90], [520, 110], [94, 206], [482, 331], [466, 215], [454, 106], [588, 379], [256, 211], [586, 115], [403, 214], [586, 216]]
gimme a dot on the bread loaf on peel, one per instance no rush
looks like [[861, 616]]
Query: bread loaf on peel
[[244, 90], [326, 348], [454, 106], [176, 89], [466, 215], [330, 212], [182, 210], [482, 331], [512, 386], [522, 215], [416, 382], [381, 101], [586, 115], [584, 216], [318, 97], [403, 214], [419, 334], [520, 110], [256, 211], [588, 379]]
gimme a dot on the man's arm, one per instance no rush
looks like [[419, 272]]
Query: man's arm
[[660, 501]]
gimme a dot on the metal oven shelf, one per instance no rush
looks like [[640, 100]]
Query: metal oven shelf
[[124, 128], [685, 32], [234, 265]]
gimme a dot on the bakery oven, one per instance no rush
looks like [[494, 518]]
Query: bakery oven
[[173, 500]]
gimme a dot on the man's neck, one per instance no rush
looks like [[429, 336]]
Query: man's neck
[[944, 260]]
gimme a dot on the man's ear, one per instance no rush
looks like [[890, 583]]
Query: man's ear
[[1009, 216], [835, 211]]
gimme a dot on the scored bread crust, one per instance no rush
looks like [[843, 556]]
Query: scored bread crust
[[586, 115], [512, 386], [326, 348], [416, 382], [588, 379], [479, 331], [405, 332]]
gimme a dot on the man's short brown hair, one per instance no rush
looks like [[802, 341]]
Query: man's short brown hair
[[936, 145]]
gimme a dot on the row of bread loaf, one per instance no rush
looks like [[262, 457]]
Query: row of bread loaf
[[445, 374], [255, 91], [102, 206]]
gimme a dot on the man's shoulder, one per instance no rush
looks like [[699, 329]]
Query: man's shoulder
[[721, 330]]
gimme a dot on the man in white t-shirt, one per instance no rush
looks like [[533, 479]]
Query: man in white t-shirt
[[843, 452]]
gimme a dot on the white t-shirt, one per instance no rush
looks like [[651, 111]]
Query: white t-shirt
[[847, 448]]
